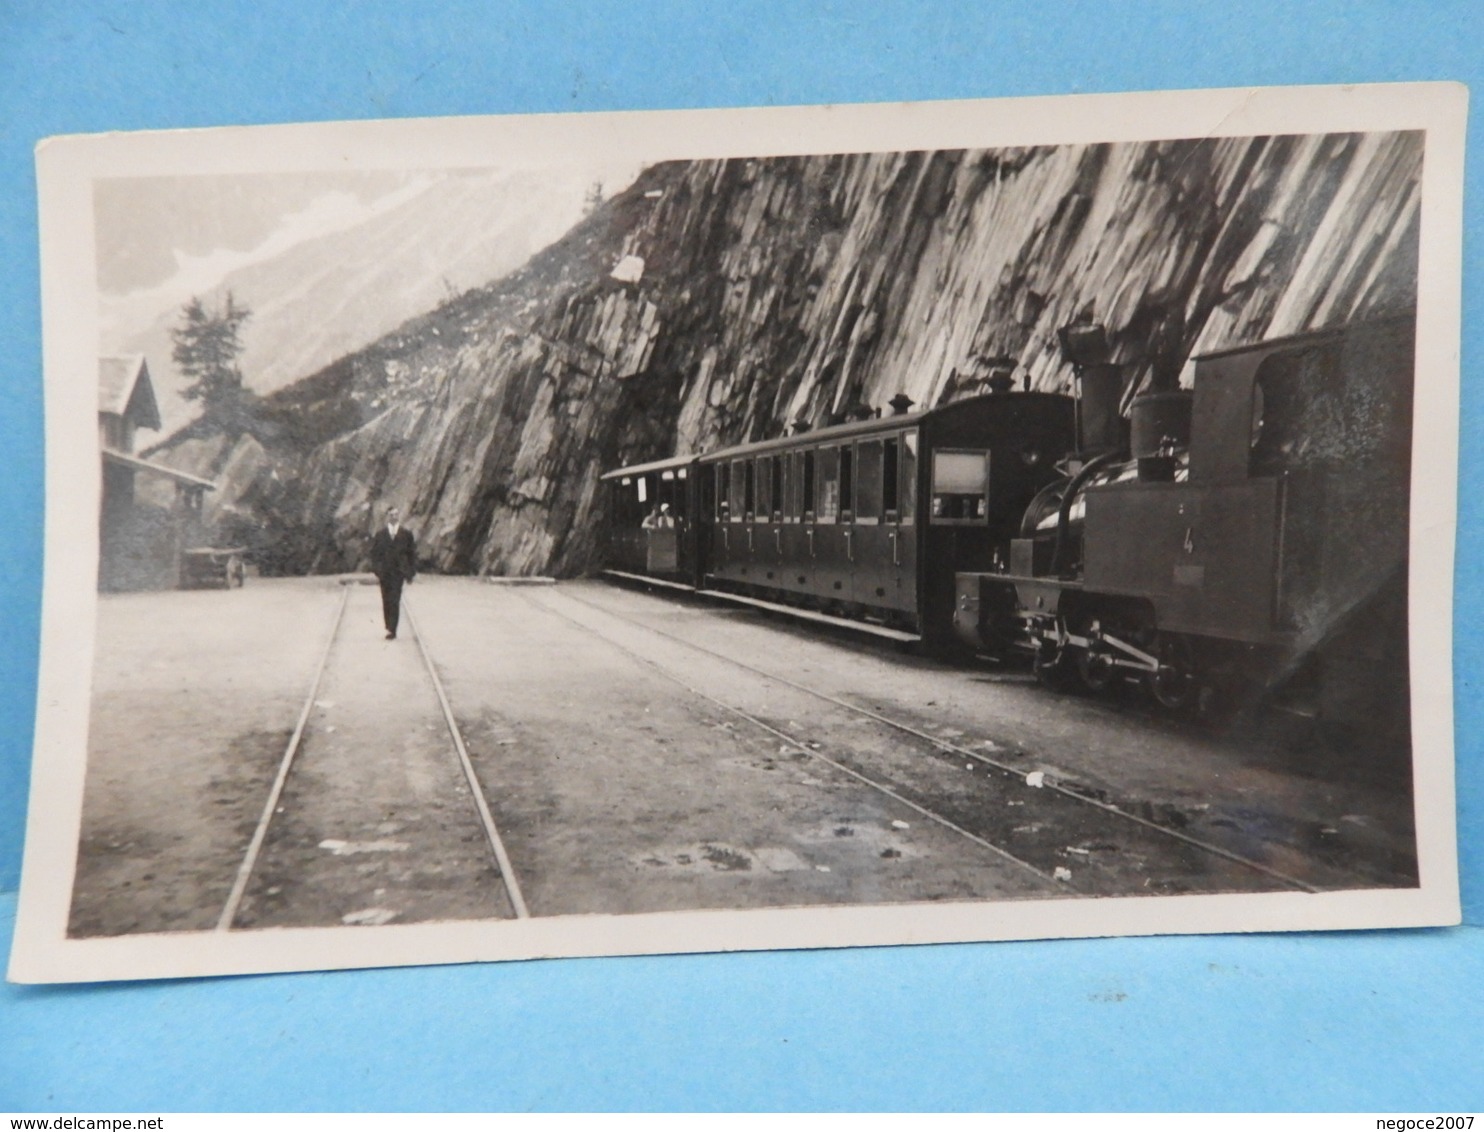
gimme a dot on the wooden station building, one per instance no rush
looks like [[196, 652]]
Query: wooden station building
[[143, 526]]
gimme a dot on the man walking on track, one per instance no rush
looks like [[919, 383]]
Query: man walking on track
[[393, 561]]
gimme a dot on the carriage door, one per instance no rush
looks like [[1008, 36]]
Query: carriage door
[[750, 571], [739, 521], [625, 518], [831, 574], [662, 548], [958, 529], [789, 533], [675, 490], [904, 526], [802, 547], [871, 565], [770, 520]]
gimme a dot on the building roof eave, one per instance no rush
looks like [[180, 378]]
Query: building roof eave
[[113, 455]]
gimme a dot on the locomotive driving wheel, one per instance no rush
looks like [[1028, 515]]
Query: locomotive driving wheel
[[1173, 686]]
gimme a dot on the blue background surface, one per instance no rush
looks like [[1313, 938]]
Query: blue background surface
[[1370, 1021]]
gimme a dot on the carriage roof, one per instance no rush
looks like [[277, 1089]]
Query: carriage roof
[[652, 466], [829, 434]]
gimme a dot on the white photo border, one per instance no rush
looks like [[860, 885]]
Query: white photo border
[[66, 170]]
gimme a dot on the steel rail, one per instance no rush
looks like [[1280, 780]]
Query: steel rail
[[255, 846], [790, 740], [486, 818], [1048, 783]]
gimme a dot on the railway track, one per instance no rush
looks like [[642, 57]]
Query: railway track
[[637, 758], [1037, 788], [273, 812], [794, 742], [1029, 823]]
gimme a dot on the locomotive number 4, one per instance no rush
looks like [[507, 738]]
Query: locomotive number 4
[[1189, 542]]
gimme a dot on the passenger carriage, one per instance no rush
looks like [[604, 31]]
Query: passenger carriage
[[867, 520]]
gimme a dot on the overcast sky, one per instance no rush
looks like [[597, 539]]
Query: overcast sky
[[162, 240]]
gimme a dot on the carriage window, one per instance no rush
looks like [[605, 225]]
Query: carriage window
[[783, 490], [827, 473], [711, 493], [868, 482], [793, 507], [847, 483], [764, 488], [723, 499], [890, 477], [806, 493], [740, 491], [960, 485], [643, 490], [909, 476], [776, 466], [749, 489]]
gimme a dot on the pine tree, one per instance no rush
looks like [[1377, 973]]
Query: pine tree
[[207, 346]]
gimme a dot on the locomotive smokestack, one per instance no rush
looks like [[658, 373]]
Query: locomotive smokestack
[[1166, 351], [1099, 386]]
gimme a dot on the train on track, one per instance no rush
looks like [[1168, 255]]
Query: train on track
[[1245, 536]]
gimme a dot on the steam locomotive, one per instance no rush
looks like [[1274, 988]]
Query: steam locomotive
[[1249, 537], [1244, 537]]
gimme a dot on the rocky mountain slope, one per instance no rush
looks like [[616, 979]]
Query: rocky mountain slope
[[717, 301], [330, 295]]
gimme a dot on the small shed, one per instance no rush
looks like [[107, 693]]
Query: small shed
[[140, 544]]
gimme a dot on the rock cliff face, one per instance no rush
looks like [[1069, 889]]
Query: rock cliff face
[[717, 301]]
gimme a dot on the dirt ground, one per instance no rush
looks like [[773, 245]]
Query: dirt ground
[[195, 694], [1338, 822], [622, 776]]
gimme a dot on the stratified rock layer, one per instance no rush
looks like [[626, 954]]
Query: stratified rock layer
[[717, 301]]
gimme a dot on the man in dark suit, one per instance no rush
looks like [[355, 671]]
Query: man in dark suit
[[394, 562]]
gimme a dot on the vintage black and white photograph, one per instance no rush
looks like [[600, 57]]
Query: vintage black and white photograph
[[736, 529]]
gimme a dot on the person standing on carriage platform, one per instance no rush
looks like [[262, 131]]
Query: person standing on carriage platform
[[394, 562]]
